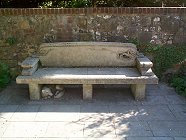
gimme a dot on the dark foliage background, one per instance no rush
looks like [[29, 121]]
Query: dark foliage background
[[89, 3]]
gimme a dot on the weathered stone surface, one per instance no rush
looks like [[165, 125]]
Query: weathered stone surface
[[144, 65], [168, 128], [138, 90], [150, 138], [145, 71], [58, 94], [144, 62], [132, 128], [34, 90], [29, 62], [155, 112], [87, 92], [46, 92], [75, 54], [29, 71], [87, 76]]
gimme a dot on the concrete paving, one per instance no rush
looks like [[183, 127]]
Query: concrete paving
[[113, 114]]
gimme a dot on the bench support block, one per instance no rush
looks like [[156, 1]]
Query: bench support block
[[34, 90], [87, 92], [138, 90]]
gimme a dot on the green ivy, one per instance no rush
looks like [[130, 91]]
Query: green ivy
[[4, 75]]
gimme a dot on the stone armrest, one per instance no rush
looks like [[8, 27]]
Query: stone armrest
[[144, 65], [29, 65]]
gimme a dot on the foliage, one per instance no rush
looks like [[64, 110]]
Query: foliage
[[89, 3], [11, 40], [179, 81], [66, 4], [4, 75], [165, 56], [180, 84]]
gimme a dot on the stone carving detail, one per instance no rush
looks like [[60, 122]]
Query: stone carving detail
[[129, 54], [59, 91], [43, 52], [48, 92]]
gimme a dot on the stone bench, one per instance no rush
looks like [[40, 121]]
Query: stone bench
[[87, 63]]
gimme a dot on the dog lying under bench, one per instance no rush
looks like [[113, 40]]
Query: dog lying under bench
[[87, 63]]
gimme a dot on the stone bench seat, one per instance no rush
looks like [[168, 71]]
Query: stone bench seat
[[87, 63], [87, 76]]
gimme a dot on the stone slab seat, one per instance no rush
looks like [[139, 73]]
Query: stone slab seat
[[88, 63]]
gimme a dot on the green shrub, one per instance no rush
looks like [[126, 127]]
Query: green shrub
[[167, 56], [4, 75], [164, 57], [179, 82]]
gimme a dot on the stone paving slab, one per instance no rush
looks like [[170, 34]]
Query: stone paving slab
[[113, 114], [168, 128], [58, 113], [175, 99], [3, 127], [121, 112], [6, 112], [25, 129], [179, 111], [64, 129], [150, 138], [155, 100], [99, 129], [180, 138], [157, 112], [130, 128], [25, 113]]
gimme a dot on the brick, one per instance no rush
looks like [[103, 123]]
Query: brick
[[78, 10], [81, 11], [164, 11], [131, 10], [60, 11], [119, 10], [157, 11], [69, 11], [45, 11], [127, 10], [19, 11], [109, 10], [152, 11], [99, 10], [160, 10], [48, 10], [115, 10], [52, 10], [1, 12], [95, 10], [27, 11], [148, 10], [12, 11], [140, 11]]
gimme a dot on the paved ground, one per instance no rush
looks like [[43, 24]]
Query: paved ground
[[113, 114]]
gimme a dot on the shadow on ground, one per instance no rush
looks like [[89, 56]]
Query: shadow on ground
[[113, 113]]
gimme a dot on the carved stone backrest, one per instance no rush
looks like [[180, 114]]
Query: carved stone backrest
[[88, 54]]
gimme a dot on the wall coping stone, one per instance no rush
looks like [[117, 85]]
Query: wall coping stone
[[87, 11]]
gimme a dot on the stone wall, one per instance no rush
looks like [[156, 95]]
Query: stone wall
[[23, 30]]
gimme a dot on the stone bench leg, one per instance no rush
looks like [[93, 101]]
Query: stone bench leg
[[35, 91], [138, 90], [87, 92]]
